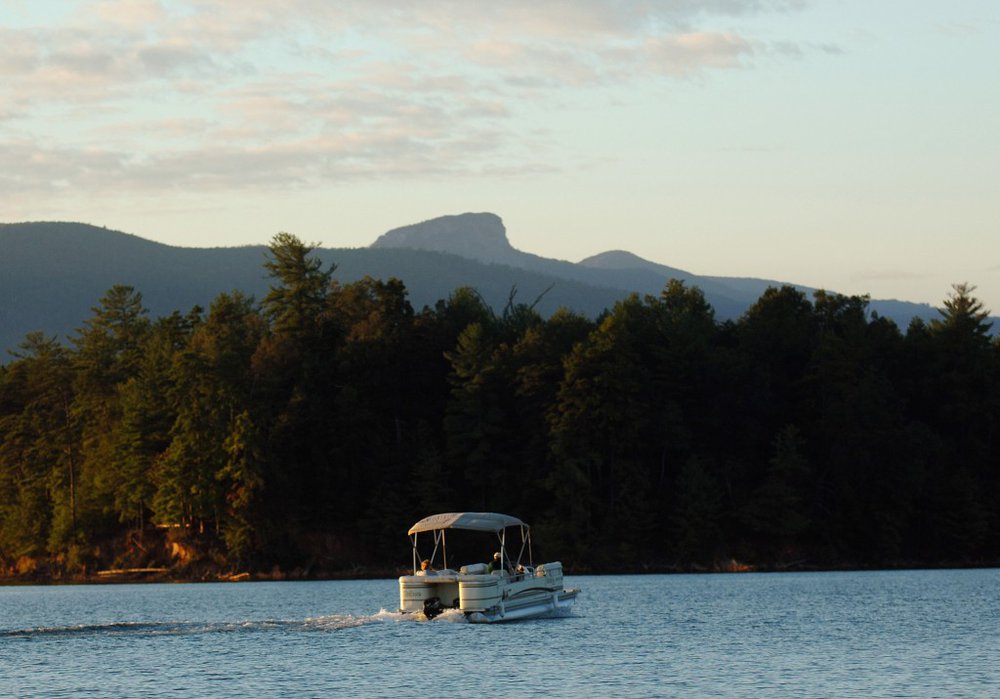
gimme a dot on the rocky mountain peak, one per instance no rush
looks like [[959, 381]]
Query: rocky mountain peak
[[478, 236]]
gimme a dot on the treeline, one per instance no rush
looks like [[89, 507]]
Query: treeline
[[310, 429]]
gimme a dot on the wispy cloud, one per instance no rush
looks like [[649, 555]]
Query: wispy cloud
[[684, 54], [210, 93]]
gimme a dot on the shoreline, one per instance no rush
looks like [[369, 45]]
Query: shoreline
[[171, 576]]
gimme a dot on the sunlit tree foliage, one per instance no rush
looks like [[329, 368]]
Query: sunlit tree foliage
[[308, 429]]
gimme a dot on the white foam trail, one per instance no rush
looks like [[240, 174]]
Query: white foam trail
[[386, 615], [335, 622], [346, 621], [332, 622], [452, 616], [108, 629]]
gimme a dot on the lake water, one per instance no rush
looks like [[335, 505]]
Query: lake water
[[872, 634]]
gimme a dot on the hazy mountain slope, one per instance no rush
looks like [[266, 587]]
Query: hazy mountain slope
[[482, 236], [736, 288], [622, 259], [432, 276], [52, 274]]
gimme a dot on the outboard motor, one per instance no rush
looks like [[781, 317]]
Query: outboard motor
[[432, 607]]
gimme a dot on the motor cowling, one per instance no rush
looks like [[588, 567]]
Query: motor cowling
[[433, 607]]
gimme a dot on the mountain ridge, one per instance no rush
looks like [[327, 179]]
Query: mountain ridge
[[53, 273]]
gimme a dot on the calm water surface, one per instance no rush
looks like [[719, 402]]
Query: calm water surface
[[882, 634]]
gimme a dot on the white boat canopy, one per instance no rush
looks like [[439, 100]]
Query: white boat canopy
[[474, 521]]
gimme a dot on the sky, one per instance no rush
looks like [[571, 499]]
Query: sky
[[850, 145]]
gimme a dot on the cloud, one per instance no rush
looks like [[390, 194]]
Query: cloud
[[959, 30], [133, 14], [684, 54], [210, 93], [392, 140], [173, 57]]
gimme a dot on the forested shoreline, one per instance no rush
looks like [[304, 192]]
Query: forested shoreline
[[306, 431]]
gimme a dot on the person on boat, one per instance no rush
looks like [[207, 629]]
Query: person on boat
[[495, 564], [425, 567]]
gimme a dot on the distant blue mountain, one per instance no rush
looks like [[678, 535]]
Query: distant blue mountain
[[52, 274], [482, 237]]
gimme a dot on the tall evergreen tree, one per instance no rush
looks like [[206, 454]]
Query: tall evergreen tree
[[109, 350], [38, 446], [298, 294], [603, 428], [212, 388], [148, 413], [962, 377], [292, 364]]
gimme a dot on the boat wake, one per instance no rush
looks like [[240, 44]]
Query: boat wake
[[448, 616], [333, 622]]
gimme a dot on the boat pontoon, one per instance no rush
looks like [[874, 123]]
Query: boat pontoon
[[509, 588]]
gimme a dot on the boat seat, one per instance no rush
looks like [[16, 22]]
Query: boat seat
[[474, 569]]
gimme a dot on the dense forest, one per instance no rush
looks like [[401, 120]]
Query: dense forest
[[306, 431]]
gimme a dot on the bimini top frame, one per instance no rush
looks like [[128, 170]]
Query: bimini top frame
[[470, 521], [474, 521]]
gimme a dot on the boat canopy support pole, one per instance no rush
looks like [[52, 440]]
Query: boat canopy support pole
[[438, 544], [525, 542]]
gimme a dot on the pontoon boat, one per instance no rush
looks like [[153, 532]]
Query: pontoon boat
[[509, 588]]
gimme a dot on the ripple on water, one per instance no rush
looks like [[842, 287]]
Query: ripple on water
[[905, 633]]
